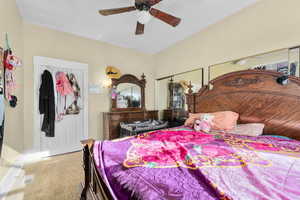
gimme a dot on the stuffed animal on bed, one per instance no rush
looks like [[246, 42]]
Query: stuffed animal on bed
[[204, 123]]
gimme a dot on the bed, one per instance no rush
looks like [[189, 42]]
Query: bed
[[180, 163]]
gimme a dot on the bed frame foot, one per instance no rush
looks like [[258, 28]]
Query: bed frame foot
[[86, 165], [83, 195]]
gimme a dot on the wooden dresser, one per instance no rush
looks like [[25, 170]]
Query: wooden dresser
[[172, 114], [111, 120]]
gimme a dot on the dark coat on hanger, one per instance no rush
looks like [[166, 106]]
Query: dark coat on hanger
[[47, 104]]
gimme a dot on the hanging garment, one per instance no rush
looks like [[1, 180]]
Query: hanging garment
[[74, 109], [12, 61], [72, 79], [47, 104], [63, 85], [10, 84], [63, 88]]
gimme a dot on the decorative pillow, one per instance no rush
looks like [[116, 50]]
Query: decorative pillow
[[224, 120], [252, 129], [202, 125]]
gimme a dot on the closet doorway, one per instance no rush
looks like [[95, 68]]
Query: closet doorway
[[70, 129]]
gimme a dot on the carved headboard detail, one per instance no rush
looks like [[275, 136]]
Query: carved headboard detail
[[257, 97]]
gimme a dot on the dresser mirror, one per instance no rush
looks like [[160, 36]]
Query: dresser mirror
[[127, 107], [128, 93], [284, 60]]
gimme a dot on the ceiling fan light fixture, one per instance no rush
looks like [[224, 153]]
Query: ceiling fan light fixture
[[144, 17]]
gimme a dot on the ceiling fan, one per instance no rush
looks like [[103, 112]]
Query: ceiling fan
[[144, 15]]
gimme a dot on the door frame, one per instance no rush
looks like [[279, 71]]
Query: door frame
[[40, 60]]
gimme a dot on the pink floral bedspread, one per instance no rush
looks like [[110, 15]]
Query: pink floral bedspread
[[183, 164]]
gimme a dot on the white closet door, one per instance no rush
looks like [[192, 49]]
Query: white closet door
[[72, 128]]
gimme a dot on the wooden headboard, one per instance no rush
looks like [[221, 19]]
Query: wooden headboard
[[257, 97]]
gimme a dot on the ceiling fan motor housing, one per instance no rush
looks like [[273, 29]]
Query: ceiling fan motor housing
[[142, 6]]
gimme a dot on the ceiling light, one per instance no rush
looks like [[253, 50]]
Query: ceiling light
[[144, 17]]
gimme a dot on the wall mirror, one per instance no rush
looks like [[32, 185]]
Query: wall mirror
[[170, 93], [284, 60], [128, 93]]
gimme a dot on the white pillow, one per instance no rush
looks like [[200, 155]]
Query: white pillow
[[251, 129]]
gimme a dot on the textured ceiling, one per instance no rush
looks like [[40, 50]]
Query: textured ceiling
[[80, 17]]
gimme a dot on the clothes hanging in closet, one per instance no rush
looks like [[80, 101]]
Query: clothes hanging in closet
[[74, 109], [63, 89], [47, 104]]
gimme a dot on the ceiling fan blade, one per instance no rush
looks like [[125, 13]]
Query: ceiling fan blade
[[167, 18], [139, 28], [153, 2], [113, 11]]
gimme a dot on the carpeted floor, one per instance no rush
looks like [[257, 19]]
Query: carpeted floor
[[55, 178]]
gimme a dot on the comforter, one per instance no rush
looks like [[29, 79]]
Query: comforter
[[183, 164]]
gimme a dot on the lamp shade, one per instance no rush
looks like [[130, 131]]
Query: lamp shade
[[144, 17]]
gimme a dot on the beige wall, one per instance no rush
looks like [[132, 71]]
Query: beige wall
[[11, 22], [39, 41], [262, 27]]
